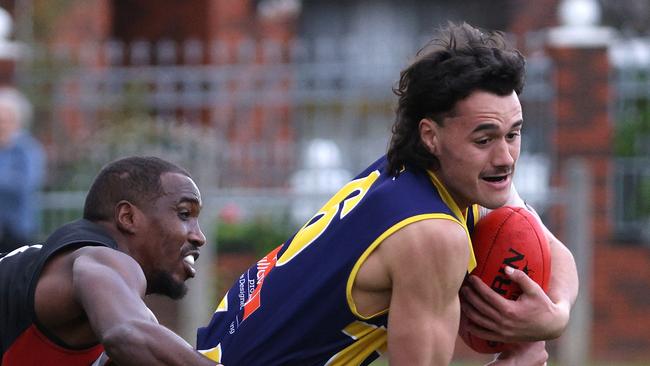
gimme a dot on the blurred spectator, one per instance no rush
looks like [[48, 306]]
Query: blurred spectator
[[22, 165]]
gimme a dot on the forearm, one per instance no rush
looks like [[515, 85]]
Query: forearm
[[563, 289], [147, 343]]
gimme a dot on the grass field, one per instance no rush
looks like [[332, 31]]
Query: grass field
[[383, 362]]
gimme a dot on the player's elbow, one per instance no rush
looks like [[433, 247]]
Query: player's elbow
[[564, 261], [562, 321], [125, 339]]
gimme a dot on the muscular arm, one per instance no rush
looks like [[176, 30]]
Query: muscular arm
[[563, 289], [109, 286], [426, 263]]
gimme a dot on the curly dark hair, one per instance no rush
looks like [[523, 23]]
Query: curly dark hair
[[135, 179], [459, 60]]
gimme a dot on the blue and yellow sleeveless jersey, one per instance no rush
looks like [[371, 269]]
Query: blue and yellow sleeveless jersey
[[295, 306]]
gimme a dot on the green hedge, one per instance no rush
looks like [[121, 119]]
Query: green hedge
[[259, 236]]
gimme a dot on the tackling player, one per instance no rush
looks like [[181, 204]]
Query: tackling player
[[76, 300]]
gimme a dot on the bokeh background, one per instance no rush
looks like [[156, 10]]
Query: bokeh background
[[273, 104]]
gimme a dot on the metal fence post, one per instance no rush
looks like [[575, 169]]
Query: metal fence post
[[575, 344]]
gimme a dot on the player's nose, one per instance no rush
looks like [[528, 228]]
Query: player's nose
[[502, 154], [196, 236]]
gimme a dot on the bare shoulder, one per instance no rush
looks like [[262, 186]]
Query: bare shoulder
[[55, 299], [419, 251], [66, 264], [429, 249], [416, 243], [102, 265], [107, 257], [422, 240]]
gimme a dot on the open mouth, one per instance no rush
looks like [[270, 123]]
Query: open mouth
[[189, 261], [495, 179]]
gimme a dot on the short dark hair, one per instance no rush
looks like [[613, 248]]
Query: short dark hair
[[459, 60], [134, 179]]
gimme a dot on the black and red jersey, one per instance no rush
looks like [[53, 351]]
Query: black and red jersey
[[23, 341]]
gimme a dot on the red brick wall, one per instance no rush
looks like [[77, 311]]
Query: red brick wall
[[583, 127], [230, 19], [621, 274], [621, 289], [83, 21], [234, 21], [227, 21], [533, 15], [153, 20]]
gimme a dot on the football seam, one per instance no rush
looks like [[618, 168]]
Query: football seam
[[539, 240], [489, 252], [496, 233]]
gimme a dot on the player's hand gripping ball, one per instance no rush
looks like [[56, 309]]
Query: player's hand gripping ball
[[508, 236]]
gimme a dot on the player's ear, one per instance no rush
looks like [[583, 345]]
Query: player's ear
[[429, 134], [125, 216]]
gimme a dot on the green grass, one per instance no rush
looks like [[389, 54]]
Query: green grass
[[384, 362]]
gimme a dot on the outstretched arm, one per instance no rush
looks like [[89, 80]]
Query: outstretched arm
[[426, 262], [109, 285]]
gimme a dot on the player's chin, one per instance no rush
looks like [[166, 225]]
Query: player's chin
[[176, 290], [493, 201], [493, 198], [168, 285]]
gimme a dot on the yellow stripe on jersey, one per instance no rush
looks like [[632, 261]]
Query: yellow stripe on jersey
[[387, 233], [223, 305], [368, 338], [476, 214], [213, 353], [446, 197], [321, 221]]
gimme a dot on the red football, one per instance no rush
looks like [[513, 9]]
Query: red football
[[508, 236]]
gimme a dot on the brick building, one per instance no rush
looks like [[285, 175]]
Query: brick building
[[584, 93]]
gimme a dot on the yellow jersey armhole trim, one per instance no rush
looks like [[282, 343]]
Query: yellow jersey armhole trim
[[384, 235], [446, 197], [475, 211]]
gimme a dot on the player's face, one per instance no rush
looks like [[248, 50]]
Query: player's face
[[477, 147], [173, 236]]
